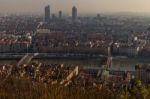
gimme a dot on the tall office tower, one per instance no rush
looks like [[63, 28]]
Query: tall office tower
[[98, 15], [60, 14], [53, 17], [47, 13], [74, 13]]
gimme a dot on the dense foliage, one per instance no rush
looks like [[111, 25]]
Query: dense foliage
[[12, 88]]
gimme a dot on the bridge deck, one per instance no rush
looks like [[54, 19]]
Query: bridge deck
[[26, 59]]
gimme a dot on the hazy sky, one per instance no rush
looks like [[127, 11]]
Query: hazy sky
[[84, 6]]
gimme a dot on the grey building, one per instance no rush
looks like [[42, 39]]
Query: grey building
[[60, 14], [74, 13], [47, 13]]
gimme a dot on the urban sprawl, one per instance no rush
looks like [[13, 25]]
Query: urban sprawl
[[59, 35]]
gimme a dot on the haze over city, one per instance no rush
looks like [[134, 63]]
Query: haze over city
[[84, 6], [74, 49]]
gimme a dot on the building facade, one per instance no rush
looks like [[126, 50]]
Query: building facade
[[74, 13], [47, 13]]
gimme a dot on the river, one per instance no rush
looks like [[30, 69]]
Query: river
[[126, 64]]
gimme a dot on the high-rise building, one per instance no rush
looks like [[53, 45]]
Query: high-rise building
[[98, 16], [74, 13], [47, 13], [53, 17], [60, 14]]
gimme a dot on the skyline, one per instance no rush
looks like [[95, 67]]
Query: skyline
[[94, 6]]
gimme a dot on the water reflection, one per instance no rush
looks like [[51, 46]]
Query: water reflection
[[117, 64]]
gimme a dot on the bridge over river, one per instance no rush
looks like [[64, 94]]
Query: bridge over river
[[26, 59], [87, 60]]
